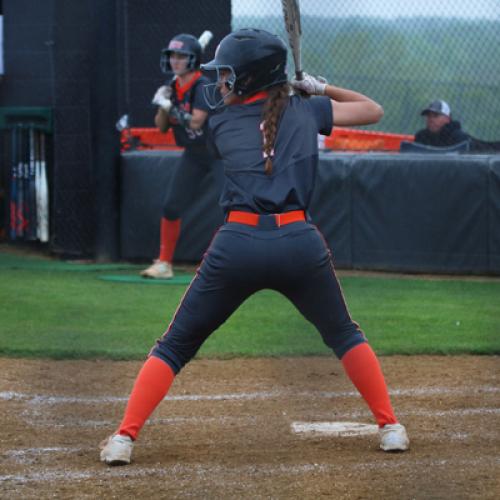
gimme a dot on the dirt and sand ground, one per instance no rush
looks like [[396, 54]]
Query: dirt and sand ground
[[226, 431]]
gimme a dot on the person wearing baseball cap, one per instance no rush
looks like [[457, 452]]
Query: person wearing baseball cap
[[441, 130]]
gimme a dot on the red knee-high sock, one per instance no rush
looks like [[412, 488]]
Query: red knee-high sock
[[169, 234], [363, 368], [151, 386]]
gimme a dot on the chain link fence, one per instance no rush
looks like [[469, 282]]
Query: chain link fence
[[402, 54]]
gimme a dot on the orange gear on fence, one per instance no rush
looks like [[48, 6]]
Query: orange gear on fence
[[341, 139]]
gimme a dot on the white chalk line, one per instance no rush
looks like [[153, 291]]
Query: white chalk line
[[39, 451], [27, 456], [50, 399], [215, 473], [59, 422]]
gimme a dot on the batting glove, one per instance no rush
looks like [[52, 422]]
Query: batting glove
[[162, 98], [183, 117], [310, 85]]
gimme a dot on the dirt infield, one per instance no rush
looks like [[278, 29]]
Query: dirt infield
[[227, 431]]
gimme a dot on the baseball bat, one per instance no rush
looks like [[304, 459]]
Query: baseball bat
[[20, 184], [37, 182], [13, 184], [32, 187], [205, 38], [26, 178], [291, 14], [43, 207]]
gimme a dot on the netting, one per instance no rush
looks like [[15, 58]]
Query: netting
[[402, 54]]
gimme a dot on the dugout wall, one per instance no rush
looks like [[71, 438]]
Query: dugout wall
[[90, 62], [398, 212]]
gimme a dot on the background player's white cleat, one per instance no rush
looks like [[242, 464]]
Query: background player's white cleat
[[159, 270], [117, 450], [393, 437]]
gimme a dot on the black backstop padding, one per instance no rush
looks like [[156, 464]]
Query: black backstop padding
[[144, 185], [420, 213], [417, 147], [331, 205], [494, 213], [413, 213]]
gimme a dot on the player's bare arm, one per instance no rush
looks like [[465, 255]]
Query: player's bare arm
[[198, 120], [348, 106], [162, 120], [352, 108]]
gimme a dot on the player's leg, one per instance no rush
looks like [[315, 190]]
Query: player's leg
[[188, 175], [216, 291], [318, 296]]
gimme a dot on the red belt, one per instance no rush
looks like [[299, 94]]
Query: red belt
[[251, 219]]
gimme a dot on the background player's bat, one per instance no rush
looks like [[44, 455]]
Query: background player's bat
[[291, 13], [205, 39]]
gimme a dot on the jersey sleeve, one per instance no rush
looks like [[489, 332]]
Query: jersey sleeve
[[210, 139], [322, 110], [199, 101]]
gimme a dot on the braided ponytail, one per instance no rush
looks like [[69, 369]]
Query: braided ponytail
[[271, 114]]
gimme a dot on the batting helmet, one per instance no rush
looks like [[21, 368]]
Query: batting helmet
[[182, 44], [255, 58]]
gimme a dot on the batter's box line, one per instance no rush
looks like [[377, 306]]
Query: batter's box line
[[201, 472], [37, 399]]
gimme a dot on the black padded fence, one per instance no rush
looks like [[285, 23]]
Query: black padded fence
[[91, 62], [411, 213]]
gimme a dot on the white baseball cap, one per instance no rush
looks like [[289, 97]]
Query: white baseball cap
[[439, 106]]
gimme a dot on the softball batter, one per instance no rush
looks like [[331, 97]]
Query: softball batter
[[181, 105], [267, 140]]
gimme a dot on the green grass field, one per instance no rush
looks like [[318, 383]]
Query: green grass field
[[60, 310]]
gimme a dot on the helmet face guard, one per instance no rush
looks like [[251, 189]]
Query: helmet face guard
[[165, 65], [211, 91]]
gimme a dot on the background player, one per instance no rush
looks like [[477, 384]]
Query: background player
[[181, 105], [268, 142]]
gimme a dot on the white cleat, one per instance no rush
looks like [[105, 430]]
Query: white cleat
[[117, 450], [159, 270], [393, 437]]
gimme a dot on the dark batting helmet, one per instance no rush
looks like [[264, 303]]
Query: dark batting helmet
[[255, 58], [182, 44]]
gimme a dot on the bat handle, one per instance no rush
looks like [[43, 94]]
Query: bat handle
[[299, 75]]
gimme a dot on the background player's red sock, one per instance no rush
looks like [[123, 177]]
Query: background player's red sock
[[169, 234], [363, 368], [151, 386]]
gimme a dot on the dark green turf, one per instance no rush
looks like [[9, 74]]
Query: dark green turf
[[178, 279], [74, 314]]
